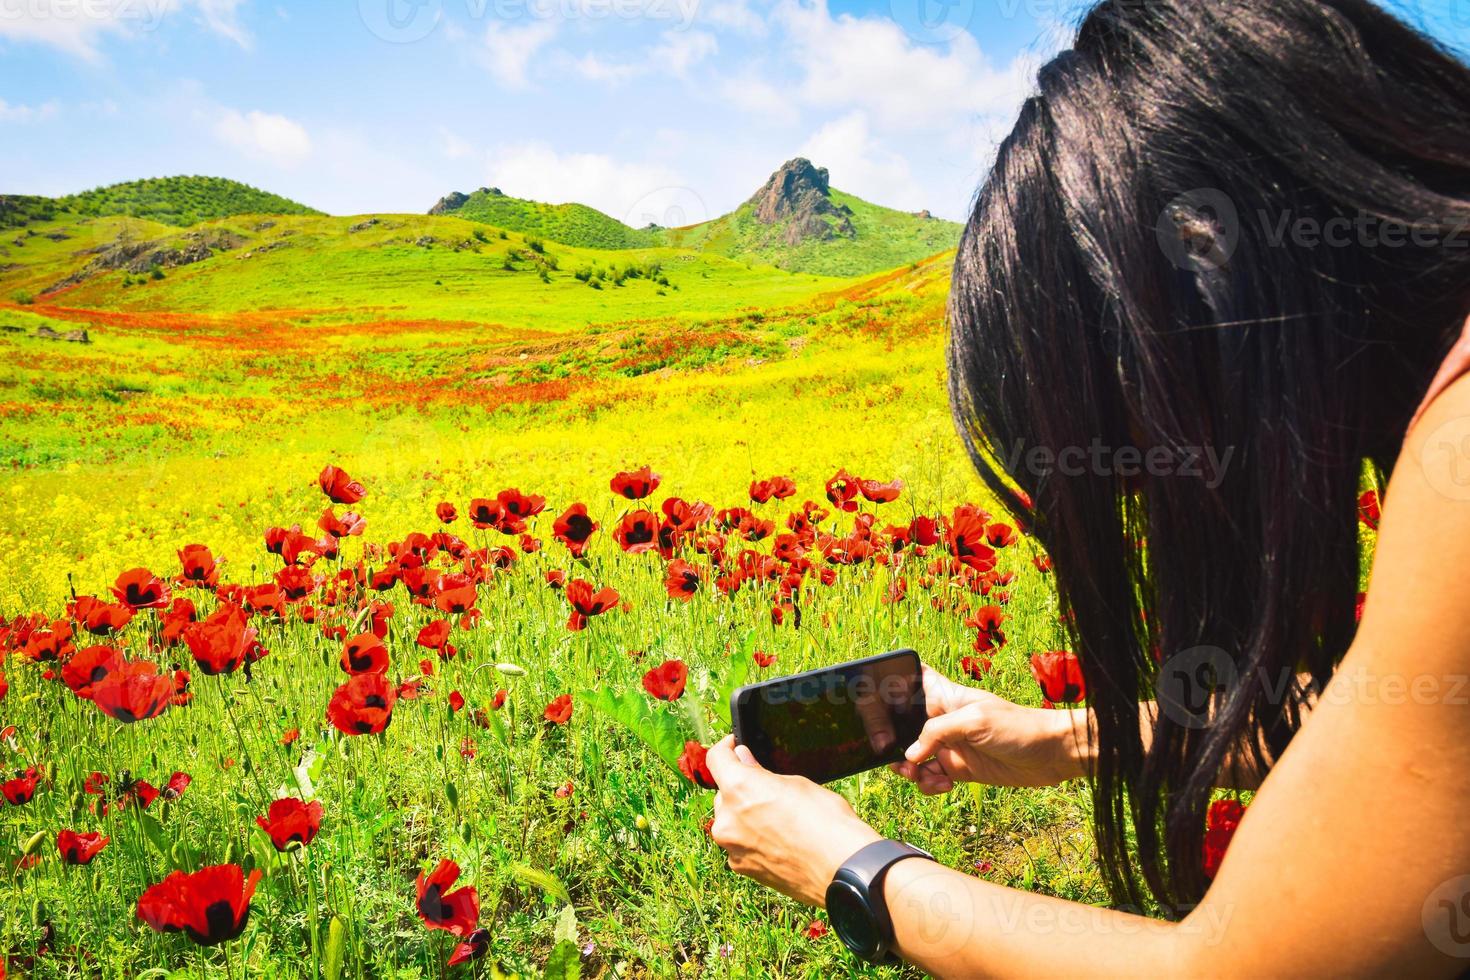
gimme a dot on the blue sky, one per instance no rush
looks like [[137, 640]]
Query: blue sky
[[664, 110]]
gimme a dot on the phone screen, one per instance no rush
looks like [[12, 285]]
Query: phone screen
[[834, 722]]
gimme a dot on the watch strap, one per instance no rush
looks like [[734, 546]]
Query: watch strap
[[867, 868]]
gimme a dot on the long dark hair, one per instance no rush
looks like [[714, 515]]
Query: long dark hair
[[1140, 275]]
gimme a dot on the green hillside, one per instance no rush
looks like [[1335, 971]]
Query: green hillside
[[796, 222], [179, 201], [570, 224], [882, 239]]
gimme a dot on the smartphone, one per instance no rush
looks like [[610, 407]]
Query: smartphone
[[836, 721]]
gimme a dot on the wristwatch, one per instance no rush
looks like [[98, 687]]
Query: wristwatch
[[855, 903]]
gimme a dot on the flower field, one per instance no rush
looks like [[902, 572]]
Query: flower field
[[339, 657]]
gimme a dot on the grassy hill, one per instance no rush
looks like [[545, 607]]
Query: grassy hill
[[177, 201], [795, 222], [881, 238], [571, 224]]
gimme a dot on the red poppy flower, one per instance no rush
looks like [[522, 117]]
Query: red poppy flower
[[1042, 563], [78, 848], [1220, 824], [4, 686], [456, 601], [586, 603], [1060, 676], [210, 906], [22, 788], [410, 690], [637, 532], [519, 505], [289, 821], [692, 764], [223, 642], [842, 490], [456, 701], [365, 654], [363, 705], [435, 636], [290, 735], [88, 667], [138, 588], [763, 659], [666, 681], [498, 702], [1368, 509], [965, 539], [636, 484], [445, 512], [682, 580], [348, 525], [456, 911], [339, 487], [880, 493], [1000, 535], [573, 529], [199, 566], [133, 692], [777, 487], [816, 930], [975, 667], [559, 711], [476, 945]]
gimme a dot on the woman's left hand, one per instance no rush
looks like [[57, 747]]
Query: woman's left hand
[[784, 831]]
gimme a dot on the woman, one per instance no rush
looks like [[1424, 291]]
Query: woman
[[1242, 225]]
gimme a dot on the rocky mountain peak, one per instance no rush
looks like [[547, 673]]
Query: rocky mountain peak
[[798, 196]]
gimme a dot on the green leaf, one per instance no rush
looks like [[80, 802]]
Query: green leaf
[[564, 963], [336, 950], [566, 925], [548, 883], [735, 675], [153, 830], [657, 729]]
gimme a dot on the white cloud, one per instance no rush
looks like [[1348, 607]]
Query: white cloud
[[78, 26], [265, 135], [872, 64], [675, 54], [753, 94], [508, 50], [734, 15], [539, 172], [26, 113], [862, 165]]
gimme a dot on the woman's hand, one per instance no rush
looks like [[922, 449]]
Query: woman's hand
[[784, 831], [975, 736]]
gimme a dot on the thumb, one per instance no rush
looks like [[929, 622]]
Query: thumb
[[743, 753], [935, 733], [722, 760]]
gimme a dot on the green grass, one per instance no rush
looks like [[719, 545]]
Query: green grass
[[179, 201], [884, 238], [576, 225]]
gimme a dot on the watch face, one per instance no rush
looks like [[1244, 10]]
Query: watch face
[[851, 918]]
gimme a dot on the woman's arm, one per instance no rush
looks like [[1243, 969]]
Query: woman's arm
[[1352, 860]]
